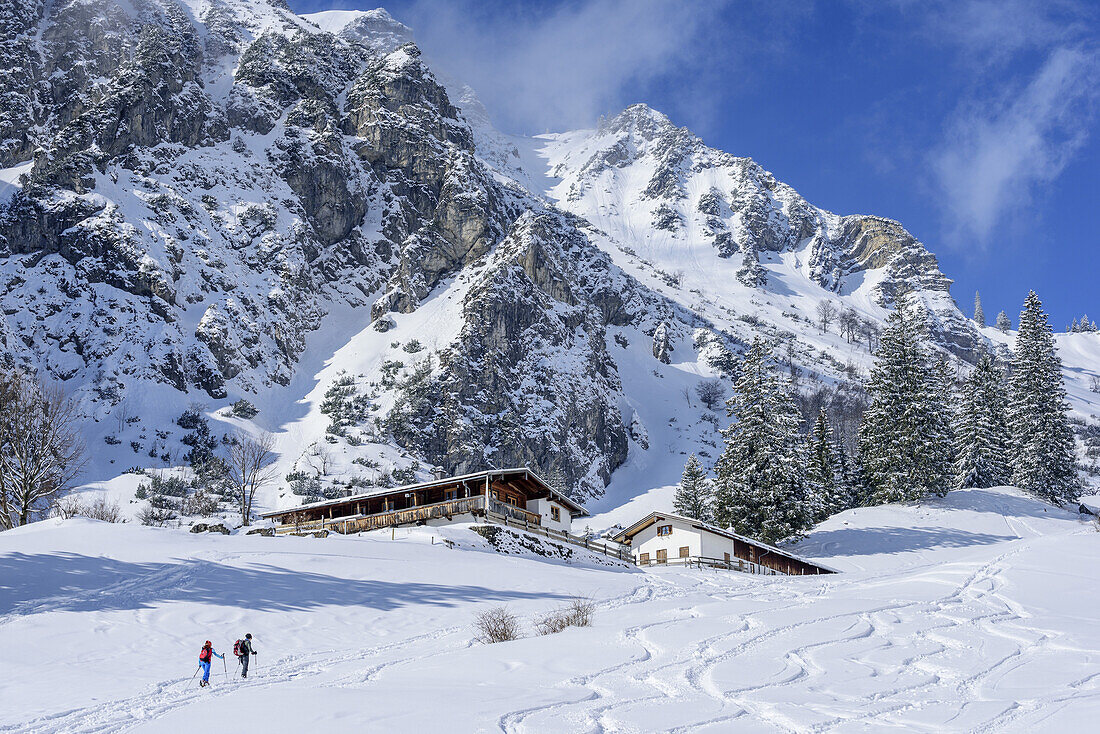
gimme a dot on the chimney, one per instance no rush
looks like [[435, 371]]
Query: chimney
[[438, 473]]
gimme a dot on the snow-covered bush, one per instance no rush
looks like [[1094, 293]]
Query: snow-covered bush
[[244, 409], [155, 516], [344, 405]]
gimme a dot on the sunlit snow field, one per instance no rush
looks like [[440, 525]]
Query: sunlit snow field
[[973, 613]]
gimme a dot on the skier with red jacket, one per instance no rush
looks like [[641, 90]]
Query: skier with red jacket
[[205, 655]]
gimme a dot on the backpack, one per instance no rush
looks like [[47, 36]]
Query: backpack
[[204, 655], [238, 648]]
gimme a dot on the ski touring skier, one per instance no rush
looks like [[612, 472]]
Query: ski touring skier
[[243, 649], [206, 654]]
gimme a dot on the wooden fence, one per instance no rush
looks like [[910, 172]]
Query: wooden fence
[[718, 564]]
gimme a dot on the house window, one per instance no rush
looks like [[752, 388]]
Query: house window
[[643, 559], [555, 514], [450, 494], [685, 551], [662, 556], [513, 501], [664, 530]]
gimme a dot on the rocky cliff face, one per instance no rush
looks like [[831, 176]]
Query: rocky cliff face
[[213, 186], [638, 169]]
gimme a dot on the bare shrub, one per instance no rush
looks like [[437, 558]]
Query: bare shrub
[[710, 393], [99, 509], [496, 625], [577, 613], [68, 507], [103, 510]]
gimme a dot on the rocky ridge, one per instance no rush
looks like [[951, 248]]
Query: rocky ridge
[[212, 181]]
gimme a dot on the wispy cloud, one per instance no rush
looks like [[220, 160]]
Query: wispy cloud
[[1034, 74], [997, 151], [560, 68]]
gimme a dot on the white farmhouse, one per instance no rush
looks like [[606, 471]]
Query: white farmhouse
[[662, 538]]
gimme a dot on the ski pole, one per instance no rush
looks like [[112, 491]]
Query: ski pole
[[225, 670], [193, 676]]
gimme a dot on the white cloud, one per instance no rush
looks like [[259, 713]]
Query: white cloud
[[561, 68], [997, 150]]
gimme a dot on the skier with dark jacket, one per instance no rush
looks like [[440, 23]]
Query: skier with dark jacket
[[243, 649], [206, 654]]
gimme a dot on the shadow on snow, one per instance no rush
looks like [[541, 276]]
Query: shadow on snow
[[75, 583]]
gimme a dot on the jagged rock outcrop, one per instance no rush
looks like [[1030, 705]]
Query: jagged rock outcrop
[[746, 212], [206, 183]]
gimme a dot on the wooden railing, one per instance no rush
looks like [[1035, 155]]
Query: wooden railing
[[514, 513], [500, 513], [611, 550], [411, 515], [734, 564]]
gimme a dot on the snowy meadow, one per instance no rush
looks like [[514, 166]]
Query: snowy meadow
[[966, 613]]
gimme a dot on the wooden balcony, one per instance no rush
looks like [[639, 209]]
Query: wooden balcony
[[416, 515]]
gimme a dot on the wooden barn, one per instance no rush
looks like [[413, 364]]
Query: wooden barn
[[516, 497], [663, 538]]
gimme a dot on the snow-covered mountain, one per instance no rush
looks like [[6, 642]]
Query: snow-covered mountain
[[208, 200]]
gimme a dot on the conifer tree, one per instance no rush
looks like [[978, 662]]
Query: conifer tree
[[825, 483], [751, 272], [939, 449], [979, 314], [900, 429], [760, 476], [981, 429], [1003, 322], [693, 495], [1043, 460]]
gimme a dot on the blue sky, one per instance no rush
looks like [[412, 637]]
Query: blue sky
[[972, 122]]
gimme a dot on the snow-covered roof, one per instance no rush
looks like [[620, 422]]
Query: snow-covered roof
[[624, 535], [575, 509]]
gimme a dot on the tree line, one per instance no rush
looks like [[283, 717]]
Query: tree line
[[920, 435]]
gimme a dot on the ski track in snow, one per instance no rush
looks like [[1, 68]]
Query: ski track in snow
[[660, 672]]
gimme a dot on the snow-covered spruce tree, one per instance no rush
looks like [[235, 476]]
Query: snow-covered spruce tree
[[940, 453], [751, 272], [1043, 461], [1003, 322], [979, 314], [900, 426], [981, 429], [760, 477], [693, 496], [826, 489]]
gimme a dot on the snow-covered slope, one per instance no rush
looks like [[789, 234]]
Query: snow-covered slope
[[969, 613]]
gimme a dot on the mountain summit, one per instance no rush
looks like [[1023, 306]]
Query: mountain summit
[[222, 200]]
